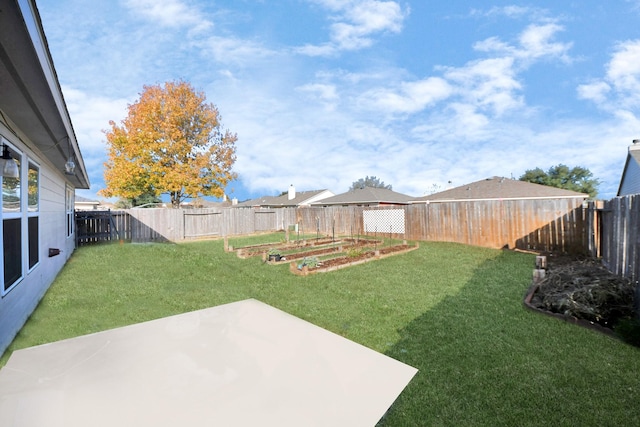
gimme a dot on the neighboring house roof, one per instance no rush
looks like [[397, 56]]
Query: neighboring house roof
[[256, 203], [630, 180], [498, 188], [31, 91], [86, 203], [366, 196], [210, 204], [301, 198], [290, 199]]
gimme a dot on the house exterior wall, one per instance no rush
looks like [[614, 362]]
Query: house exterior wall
[[631, 179], [17, 303], [36, 209]]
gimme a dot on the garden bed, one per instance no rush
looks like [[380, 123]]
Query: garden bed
[[329, 244], [322, 266]]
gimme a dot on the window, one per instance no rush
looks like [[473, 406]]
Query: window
[[33, 208], [70, 214], [12, 247], [20, 231], [12, 227]]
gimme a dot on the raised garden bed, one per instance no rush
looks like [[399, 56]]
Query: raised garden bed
[[283, 248], [304, 254], [332, 264]]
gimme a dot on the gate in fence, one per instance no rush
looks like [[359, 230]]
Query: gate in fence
[[101, 226]]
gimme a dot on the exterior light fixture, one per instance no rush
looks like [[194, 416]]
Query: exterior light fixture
[[70, 165], [8, 166]]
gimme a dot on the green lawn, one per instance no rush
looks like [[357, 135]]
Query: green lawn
[[452, 311]]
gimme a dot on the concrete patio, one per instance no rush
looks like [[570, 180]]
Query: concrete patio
[[239, 364]]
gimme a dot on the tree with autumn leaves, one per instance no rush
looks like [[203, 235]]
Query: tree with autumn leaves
[[171, 142]]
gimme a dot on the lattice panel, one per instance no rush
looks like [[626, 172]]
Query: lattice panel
[[384, 221]]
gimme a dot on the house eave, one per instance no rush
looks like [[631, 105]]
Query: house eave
[[31, 97]]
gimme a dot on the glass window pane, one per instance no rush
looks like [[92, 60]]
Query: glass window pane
[[12, 247], [70, 210], [34, 196], [10, 195], [11, 191], [33, 241]]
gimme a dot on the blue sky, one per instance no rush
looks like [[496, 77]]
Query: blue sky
[[324, 92]]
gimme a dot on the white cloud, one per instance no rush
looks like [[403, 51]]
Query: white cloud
[[325, 92], [488, 84], [326, 49], [355, 23], [91, 115], [512, 12], [409, 97], [623, 70], [362, 20], [236, 51], [493, 44], [170, 13], [536, 41], [596, 91], [618, 89], [472, 125]]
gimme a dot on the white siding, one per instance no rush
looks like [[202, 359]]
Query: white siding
[[631, 179], [36, 123], [17, 305]]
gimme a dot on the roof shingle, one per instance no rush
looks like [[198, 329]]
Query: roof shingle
[[366, 196], [498, 188]]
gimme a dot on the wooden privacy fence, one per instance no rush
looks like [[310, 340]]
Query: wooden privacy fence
[[543, 225], [555, 225], [616, 234], [101, 226]]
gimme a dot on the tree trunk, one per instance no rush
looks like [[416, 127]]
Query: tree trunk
[[175, 199]]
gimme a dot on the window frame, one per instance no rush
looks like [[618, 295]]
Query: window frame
[[33, 213], [12, 216], [70, 201], [28, 257]]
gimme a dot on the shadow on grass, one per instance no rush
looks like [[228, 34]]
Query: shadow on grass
[[484, 359]]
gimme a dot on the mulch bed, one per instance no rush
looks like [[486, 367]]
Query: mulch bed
[[583, 291]]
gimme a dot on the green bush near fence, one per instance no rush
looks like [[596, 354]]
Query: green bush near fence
[[454, 312]]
